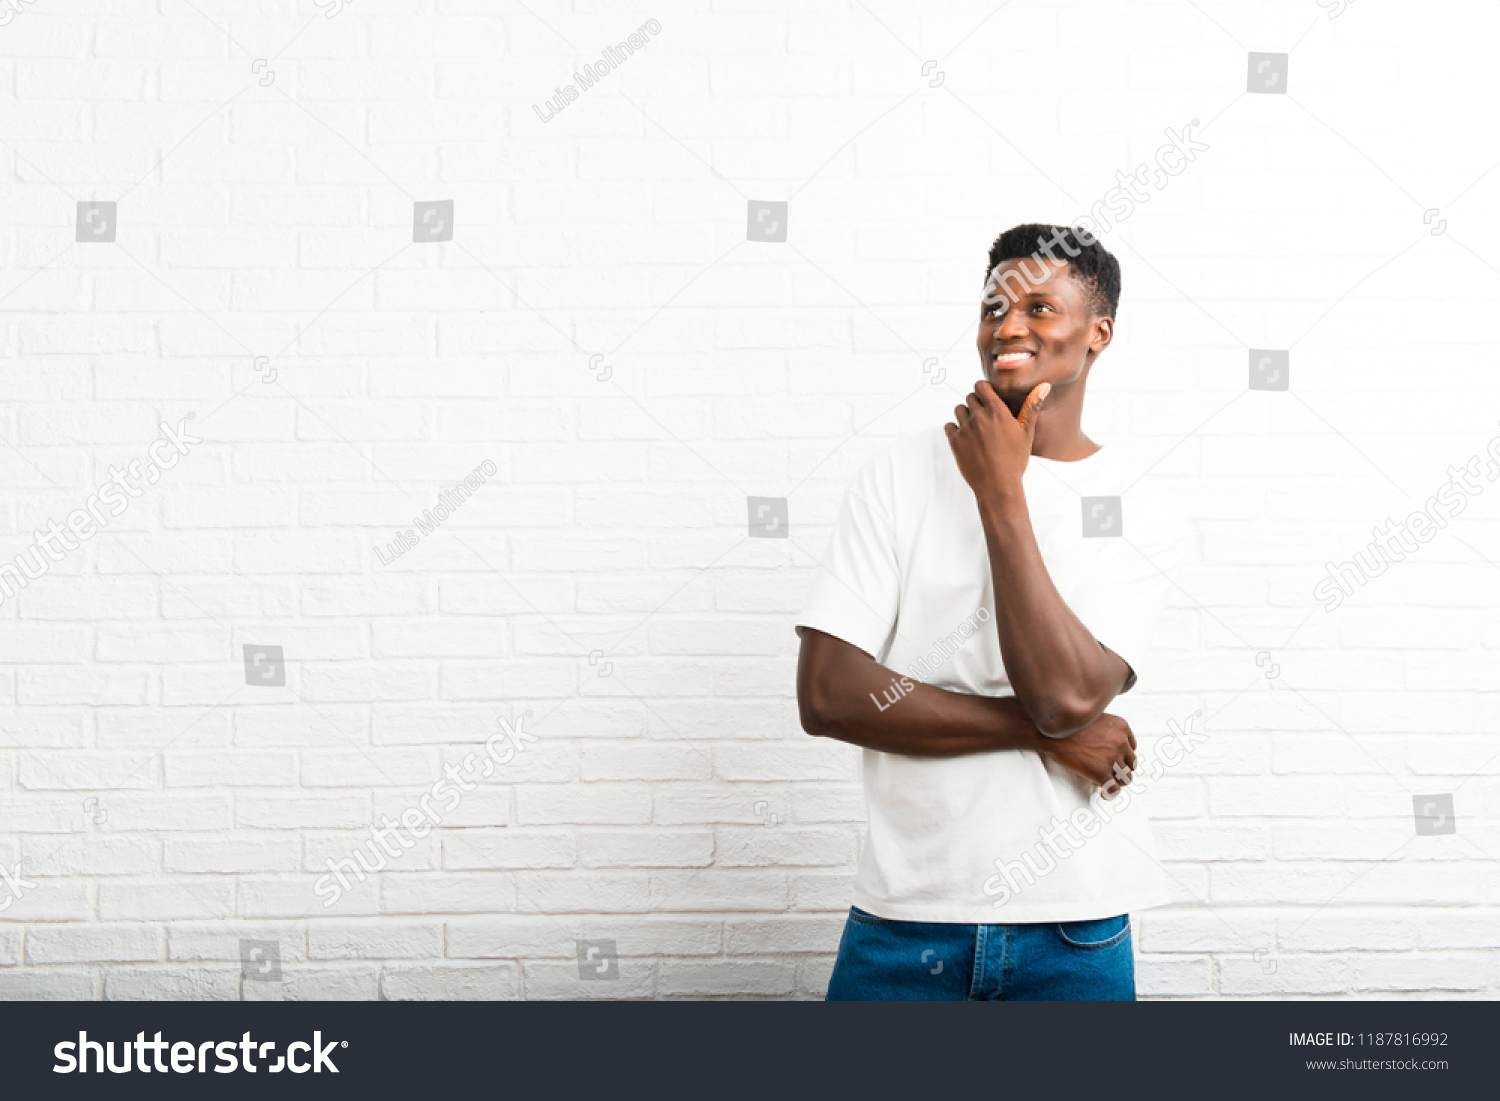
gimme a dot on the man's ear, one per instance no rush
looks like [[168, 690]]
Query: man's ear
[[1104, 332]]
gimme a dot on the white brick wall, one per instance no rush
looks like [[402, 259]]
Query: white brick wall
[[165, 810]]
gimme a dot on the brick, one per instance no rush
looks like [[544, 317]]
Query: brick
[[1158, 977], [784, 846], [42, 986], [230, 856], [777, 937], [302, 983], [63, 944], [375, 940], [519, 937], [446, 982], [483, 850], [588, 804], [646, 848], [725, 977], [171, 984], [418, 893], [142, 900], [547, 981]]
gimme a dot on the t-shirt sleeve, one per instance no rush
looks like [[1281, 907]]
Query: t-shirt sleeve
[[1122, 598], [855, 594]]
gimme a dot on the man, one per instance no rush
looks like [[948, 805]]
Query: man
[[1013, 570]]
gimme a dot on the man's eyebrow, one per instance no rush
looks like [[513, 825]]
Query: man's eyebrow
[[1028, 294]]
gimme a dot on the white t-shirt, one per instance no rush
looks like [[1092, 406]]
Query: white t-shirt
[[906, 578]]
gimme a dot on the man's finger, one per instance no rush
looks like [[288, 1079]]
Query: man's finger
[[985, 392], [1033, 403], [974, 404]]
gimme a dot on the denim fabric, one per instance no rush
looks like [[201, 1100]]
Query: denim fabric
[[884, 960]]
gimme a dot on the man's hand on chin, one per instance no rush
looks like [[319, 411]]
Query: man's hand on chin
[[990, 446]]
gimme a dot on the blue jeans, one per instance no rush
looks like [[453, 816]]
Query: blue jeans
[[921, 961]]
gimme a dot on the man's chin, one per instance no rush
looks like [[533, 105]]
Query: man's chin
[[1012, 383]]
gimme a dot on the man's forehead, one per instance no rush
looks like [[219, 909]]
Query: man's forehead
[[1047, 275]]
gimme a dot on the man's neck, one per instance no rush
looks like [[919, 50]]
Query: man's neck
[[1061, 439]]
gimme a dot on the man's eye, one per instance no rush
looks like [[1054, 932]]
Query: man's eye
[[996, 311]]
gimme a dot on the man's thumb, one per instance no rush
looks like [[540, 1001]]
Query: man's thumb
[[1034, 403]]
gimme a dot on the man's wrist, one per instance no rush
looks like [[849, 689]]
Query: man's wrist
[[1002, 500], [1040, 743]]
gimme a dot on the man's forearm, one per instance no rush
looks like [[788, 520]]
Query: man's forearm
[[934, 722], [1059, 672], [845, 694]]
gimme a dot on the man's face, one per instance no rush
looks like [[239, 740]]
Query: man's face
[[1036, 330]]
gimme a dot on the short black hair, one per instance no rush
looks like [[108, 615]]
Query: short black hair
[[1094, 267]]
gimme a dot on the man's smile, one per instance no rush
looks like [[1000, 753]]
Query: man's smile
[[1013, 358]]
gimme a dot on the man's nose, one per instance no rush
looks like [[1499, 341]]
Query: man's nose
[[1012, 325]]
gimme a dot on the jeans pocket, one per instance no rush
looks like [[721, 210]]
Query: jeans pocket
[[1094, 935], [864, 917]]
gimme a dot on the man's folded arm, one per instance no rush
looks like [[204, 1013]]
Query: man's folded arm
[[839, 695], [1086, 697], [1060, 669]]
